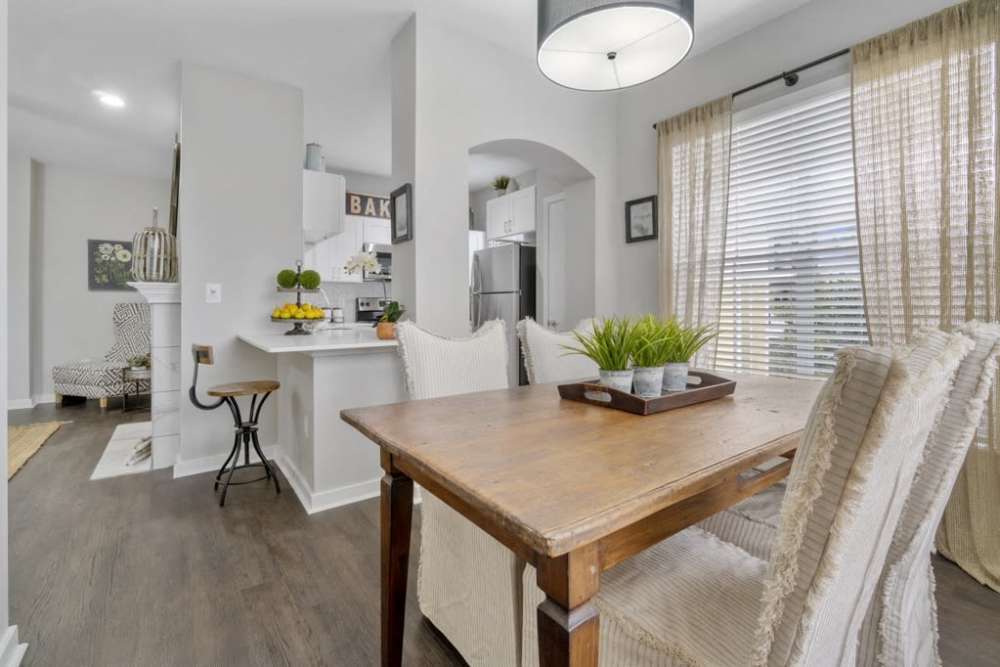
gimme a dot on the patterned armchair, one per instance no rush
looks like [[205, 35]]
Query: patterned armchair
[[101, 379]]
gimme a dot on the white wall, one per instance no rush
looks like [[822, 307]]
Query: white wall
[[240, 216], [69, 206], [580, 250], [360, 182], [812, 31], [403, 69], [468, 93], [4, 584], [19, 297]]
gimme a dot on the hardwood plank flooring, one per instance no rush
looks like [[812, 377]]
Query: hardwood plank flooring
[[148, 570]]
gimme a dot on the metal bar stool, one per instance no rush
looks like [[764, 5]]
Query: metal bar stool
[[246, 431]]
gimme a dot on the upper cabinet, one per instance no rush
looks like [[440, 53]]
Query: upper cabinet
[[322, 205], [377, 231], [511, 215]]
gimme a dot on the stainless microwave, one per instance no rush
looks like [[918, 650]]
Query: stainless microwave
[[383, 253]]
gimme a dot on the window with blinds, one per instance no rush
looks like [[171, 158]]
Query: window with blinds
[[791, 293]]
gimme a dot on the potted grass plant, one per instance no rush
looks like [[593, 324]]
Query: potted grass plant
[[385, 328], [649, 354], [610, 345], [683, 342]]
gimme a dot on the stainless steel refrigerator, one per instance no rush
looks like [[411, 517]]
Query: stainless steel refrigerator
[[503, 287]]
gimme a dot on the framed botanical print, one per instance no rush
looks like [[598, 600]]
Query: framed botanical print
[[109, 265], [640, 219], [401, 213]]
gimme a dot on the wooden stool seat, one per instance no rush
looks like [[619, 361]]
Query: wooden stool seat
[[246, 388]]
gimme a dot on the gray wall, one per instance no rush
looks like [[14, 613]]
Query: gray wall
[[53, 211], [240, 218], [19, 285]]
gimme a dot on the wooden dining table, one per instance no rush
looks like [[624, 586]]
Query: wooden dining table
[[574, 489]]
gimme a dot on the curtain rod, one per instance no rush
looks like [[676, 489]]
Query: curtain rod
[[791, 77]]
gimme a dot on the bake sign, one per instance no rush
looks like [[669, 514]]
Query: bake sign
[[368, 206]]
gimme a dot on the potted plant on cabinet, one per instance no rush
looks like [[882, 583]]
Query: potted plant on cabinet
[[649, 356], [610, 346], [683, 342], [385, 328], [500, 184]]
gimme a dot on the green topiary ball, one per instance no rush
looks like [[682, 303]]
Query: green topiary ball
[[310, 279], [287, 278]]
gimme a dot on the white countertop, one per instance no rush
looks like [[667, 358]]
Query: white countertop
[[357, 338]]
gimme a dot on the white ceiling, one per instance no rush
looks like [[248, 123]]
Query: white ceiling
[[335, 50]]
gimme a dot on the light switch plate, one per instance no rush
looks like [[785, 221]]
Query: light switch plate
[[213, 293]]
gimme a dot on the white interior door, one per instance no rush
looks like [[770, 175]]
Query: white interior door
[[555, 263]]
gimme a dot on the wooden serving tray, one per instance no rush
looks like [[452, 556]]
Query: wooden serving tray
[[710, 388]]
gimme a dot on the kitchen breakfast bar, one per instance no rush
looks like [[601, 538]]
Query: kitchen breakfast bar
[[327, 462]]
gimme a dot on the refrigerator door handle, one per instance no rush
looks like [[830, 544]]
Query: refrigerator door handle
[[478, 292]]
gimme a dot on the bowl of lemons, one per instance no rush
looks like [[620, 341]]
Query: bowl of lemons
[[299, 315], [305, 312]]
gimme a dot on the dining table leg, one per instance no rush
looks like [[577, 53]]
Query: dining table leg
[[396, 516], [568, 622]]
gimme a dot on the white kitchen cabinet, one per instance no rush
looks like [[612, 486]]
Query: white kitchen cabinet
[[330, 255], [322, 205], [522, 204], [498, 213], [377, 231], [511, 215]]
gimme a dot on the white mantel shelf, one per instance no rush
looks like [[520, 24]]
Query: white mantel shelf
[[356, 339], [158, 292]]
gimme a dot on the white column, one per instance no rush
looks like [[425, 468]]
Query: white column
[[165, 345]]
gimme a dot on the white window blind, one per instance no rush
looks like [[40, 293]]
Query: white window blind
[[791, 293]]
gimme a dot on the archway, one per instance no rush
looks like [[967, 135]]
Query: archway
[[543, 222]]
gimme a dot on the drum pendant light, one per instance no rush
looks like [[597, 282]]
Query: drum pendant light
[[612, 44]]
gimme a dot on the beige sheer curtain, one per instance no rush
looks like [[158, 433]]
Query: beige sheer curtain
[[693, 166], [926, 159]]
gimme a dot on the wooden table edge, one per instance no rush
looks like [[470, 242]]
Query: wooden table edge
[[529, 542]]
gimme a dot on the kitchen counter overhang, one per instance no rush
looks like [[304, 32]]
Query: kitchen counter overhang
[[357, 338]]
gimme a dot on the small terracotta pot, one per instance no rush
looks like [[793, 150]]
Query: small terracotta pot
[[386, 330]]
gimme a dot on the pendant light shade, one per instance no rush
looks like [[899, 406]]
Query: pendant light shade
[[611, 44]]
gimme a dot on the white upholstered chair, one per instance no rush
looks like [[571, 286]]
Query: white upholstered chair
[[468, 584], [694, 599], [545, 358], [901, 628]]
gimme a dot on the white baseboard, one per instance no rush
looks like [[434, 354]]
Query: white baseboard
[[20, 403], [43, 398], [324, 500], [11, 652], [214, 462], [313, 502]]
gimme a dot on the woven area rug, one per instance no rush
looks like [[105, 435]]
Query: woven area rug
[[23, 442]]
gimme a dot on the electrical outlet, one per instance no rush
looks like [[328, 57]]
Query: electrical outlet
[[213, 293]]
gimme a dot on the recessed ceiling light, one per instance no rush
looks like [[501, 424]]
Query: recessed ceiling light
[[109, 99]]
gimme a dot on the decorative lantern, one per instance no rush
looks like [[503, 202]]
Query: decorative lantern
[[154, 254]]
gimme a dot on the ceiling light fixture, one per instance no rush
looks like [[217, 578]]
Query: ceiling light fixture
[[612, 44], [109, 99]]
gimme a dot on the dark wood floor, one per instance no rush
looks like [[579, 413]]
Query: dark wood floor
[[146, 570]]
